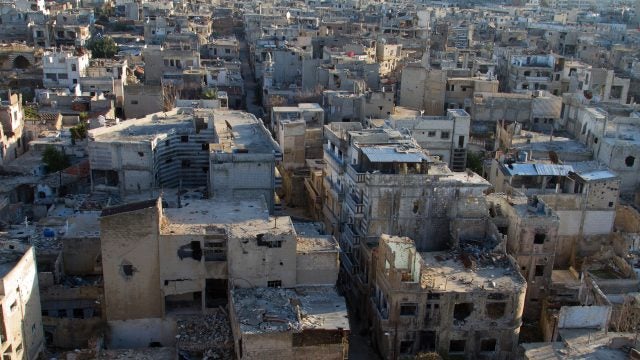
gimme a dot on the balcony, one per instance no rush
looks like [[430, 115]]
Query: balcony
[[334, 160], [355, 204], [312, 193], [351, 235], [356, 175], [334, 190]]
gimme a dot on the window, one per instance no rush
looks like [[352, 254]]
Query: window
[[274, 283], [539, 238], [227, 51], [205, 146], [73, 67], [63, 76], [51, 76], [78, 313], [433, 296], [431, 134], [408, 309], [406, 346], [488, 345], [539, 270], [184, 138], [444, 135], [457, 346], [462, 311], [134, 102], [496, 310]]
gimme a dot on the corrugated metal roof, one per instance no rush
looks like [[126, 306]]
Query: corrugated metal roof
[[553, 169], [391, 154], [538, 169]]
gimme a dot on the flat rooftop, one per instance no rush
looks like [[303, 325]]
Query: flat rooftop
[[272, 310], [198, 216], [146, 128], [85, 224], [582, 344], [530, 140], [316, 243], [239, 130], [446, 271]]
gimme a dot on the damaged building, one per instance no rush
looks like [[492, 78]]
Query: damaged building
[[466, 302]]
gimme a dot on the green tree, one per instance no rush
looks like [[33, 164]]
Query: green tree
[[54, 159], [210, 94], [103, 47], [474, 162], [79, 131]]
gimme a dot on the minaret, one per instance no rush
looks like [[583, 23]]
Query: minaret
[[267, 76]]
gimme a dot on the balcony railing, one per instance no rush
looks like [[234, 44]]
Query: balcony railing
[[336, 190], [356, 175], [355, 204]]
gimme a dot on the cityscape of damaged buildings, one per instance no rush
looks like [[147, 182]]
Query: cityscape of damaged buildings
[[319, 179]]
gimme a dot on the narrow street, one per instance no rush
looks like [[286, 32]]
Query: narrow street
[[250, 84]]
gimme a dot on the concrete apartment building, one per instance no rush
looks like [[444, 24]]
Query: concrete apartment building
[[428, 301], [160, 150], [436, 90], [611, 131], [444, 137], [63, 68], [12, 127], [21, 330], [531, 230], [203, 250], [244, 157], [298, 130], [300, 323]]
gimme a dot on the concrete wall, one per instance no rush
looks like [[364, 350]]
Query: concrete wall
[[584, 317], [317, 268], [82, 256], [253, 264], [128, 245], [140, 332], [21, 312]]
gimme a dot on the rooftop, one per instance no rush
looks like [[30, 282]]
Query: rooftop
[[199, 216], [272, 310], [456, 272], [239, 130], [147, 128], [316, 243]]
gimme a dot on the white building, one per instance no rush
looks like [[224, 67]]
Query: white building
[[63, 68]]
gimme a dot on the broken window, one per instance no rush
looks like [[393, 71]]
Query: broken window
[[496, 310], [191, 250], [215, 293], [427, 341], [78, 313], [539, 238], [488, 345], [274, 283], [406, 346], [270, 244], [127, 269], [539, 270], [629, 161], [408, 309], [184, 138], [456, 346], [462, 311]]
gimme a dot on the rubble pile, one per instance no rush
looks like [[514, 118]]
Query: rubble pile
[[208, 335]]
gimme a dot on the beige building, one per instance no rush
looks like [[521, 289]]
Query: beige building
[[21, 333], [200, 251], [430, 301]]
